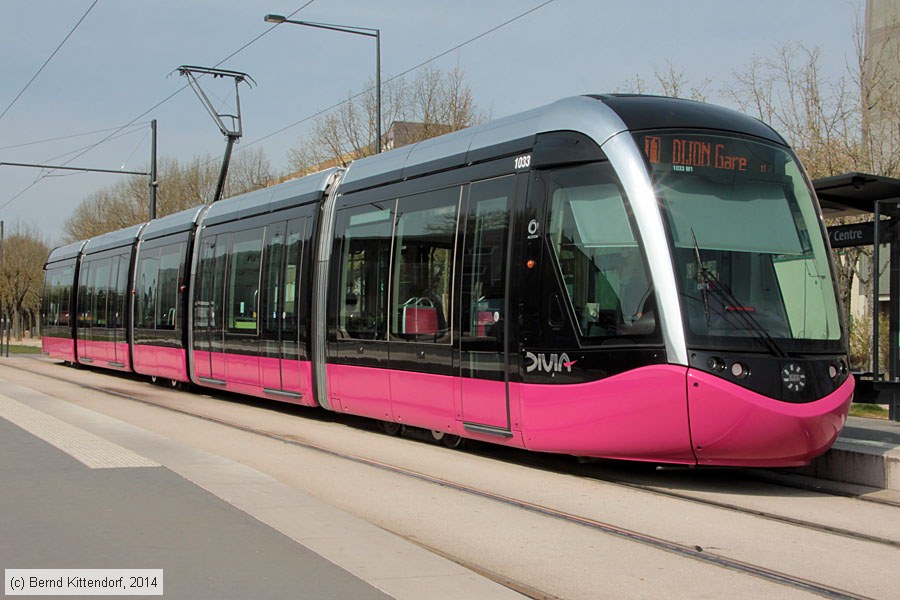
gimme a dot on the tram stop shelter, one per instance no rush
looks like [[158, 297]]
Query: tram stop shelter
[[854, 194]]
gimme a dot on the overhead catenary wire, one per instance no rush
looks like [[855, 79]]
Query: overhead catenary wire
[[73, 135], [149, 110], [46, 62], [303, 120], [187, 85], [49, 172]]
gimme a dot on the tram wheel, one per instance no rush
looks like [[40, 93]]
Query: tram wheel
[[175, 384], [448, 440], [390, 427], [154, 379], [452, 441]]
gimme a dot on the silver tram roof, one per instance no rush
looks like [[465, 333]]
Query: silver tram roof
[[65, 252], [599, 117], [170, 224], [295, 192], [113, 239]]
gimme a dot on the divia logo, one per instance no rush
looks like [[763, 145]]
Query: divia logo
[[549, 363]]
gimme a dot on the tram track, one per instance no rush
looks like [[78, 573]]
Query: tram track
[[848, 533], [683, 550]]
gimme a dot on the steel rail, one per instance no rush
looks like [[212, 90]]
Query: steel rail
[[694, 552]]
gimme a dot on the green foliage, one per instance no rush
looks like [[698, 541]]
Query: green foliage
[[861, 343], [871, 411]]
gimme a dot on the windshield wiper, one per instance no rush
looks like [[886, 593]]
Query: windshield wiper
[[746, 313], [732, 305], [702, 279]]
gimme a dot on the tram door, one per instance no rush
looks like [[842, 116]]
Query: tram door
[[280, 366], [118, 302], [484, 307], [209, 344]]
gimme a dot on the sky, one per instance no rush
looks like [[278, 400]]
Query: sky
[[116, 69]]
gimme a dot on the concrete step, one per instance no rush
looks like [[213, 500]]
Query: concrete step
[[863, 462]]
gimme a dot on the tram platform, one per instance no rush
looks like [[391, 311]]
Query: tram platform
[[867, 453], [81, 490]]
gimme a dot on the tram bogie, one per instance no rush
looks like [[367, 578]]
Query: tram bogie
[[626, 277]]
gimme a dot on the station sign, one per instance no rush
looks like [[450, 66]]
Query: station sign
[[848, 236]]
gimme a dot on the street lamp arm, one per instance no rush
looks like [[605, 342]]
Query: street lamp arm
[[366, 31]]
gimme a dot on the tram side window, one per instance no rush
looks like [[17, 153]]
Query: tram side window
[[169, 272], [483, 292], [423, 265], [281, 269], [365, 234], [605, 277], [292, 283], [243, 281], [118, 282], [210, 285], [56, 295], [64, 290], [84, 296], [147, 285], [272, 267], [99, 290]]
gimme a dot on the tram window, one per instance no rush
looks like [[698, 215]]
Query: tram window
[[167, 299], [118, 282], [292, 263], [423, 265], [56, 296], [210, 283], [483, 290], [365, 264], [99, 283], [64, 285], [274, 278], [606, 280], [84, 296], [243, 287], [283, 257], [148, 275]]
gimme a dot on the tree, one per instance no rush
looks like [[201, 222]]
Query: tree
[[435, 101], [22, 259], [671, 81], [181, 186]]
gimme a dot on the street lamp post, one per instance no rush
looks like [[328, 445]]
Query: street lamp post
[[366, 31]]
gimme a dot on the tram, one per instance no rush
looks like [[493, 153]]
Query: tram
[[614, 276]]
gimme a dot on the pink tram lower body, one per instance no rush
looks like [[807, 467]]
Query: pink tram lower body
[[59, 347], [678, 415], [109, 355], [273, 378], [162, 362], [665, 413]]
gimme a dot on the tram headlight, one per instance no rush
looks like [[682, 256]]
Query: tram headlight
[[715, 364], [838, 369], [739, 370]]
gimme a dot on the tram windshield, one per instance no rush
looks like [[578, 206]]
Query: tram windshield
[[751, 262]]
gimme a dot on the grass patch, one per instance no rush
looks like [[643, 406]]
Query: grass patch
[[871, 411], [19, 349]]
